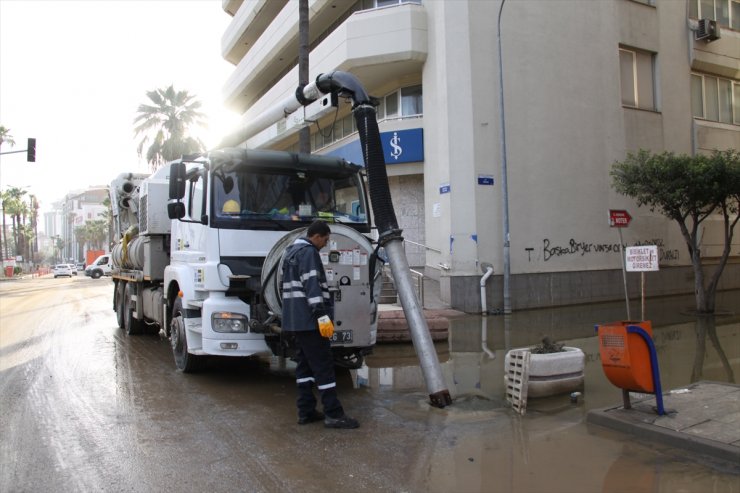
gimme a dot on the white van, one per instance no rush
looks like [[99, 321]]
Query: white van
[[101, 267]]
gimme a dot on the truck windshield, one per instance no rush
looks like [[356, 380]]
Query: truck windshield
[[271, 199]]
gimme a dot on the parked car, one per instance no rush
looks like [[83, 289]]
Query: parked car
[[64, 270], [80, 266]]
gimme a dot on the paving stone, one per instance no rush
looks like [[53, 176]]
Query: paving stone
[[714, 430]]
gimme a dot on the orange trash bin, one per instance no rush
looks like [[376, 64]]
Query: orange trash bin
[[625, 356], [629, 359]]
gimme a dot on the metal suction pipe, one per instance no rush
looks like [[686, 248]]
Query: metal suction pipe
[[391, 239]]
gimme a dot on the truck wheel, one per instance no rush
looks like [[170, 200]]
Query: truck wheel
[[130, 325], [185, 362], [96, 274], [120, 303]]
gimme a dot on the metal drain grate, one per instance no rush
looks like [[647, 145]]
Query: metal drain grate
[[517, 376]]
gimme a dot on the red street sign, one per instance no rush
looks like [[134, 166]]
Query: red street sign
[[619, 218]]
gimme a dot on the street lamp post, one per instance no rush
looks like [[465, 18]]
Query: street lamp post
[[504, 179]]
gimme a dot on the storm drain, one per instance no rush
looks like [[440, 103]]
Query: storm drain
[[517, 376]]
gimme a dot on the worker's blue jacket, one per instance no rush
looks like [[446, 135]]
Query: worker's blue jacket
[[306, 294]]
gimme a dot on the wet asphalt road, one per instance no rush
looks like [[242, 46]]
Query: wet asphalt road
[[86, 408]]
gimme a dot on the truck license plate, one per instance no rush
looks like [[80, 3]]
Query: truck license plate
[[342, 336]]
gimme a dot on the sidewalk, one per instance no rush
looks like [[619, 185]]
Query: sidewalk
[[703, 418]]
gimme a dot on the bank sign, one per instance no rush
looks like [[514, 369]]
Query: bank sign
[[399, 146]]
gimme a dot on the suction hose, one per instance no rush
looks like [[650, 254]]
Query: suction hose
[[390, 235]]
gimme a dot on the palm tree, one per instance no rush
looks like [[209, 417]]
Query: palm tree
[[58, 246], [3, 233], [165, 125], [14, 206], [107, 216], [6, 137]]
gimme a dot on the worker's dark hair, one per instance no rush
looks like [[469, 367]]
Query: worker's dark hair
[[318, 227]]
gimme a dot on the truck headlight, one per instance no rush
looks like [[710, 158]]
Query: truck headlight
[[227, 322]]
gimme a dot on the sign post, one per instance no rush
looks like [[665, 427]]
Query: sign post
[[642, 259], [621, 219]]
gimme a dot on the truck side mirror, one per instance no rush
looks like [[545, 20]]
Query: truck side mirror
[[176, 210], [177, 181]]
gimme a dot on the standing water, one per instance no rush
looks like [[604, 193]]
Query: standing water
[[483, 445]]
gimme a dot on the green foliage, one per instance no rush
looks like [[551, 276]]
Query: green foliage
[[93, 233], [681, 186], [687, 189], [5, 137], [165, 125]]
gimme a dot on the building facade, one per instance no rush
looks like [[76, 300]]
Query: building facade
[[584, 83], [75, 211]]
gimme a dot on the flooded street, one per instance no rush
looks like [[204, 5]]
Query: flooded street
[[86, 408]]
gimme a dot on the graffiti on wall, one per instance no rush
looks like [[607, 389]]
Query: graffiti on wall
[[575, 247], [551, 250]]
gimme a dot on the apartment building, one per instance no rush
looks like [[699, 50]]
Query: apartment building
[[584, 83], [74, 211]]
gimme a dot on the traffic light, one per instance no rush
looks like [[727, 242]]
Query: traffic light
[[31, 150]]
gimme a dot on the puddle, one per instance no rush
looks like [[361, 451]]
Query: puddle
[[472, 359]]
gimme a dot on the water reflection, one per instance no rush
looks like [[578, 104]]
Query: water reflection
[[706, 327], [472, 359]]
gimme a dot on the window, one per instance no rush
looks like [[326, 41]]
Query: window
[[715, 99], [725, 12], [374, 4], [405, 102], [410, 103], [196, 200], [636, 70], [391, 105]]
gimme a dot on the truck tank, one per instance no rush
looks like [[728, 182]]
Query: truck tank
[[134, 255]]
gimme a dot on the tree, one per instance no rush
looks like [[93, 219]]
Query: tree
[[688, 190], [58, 247], [5, 136], [96, 233], [165, 125], [14, 206]]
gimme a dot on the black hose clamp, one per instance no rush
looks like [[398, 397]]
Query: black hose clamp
[[301, 98], [390, 235]]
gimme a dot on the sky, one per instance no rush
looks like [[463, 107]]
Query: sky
[[73, 73]]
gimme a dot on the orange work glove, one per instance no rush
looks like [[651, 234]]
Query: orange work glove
[[326, 326]]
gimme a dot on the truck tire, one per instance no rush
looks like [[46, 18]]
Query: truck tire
[[96, 274], [185, 362], [120, 303], [130, 325]]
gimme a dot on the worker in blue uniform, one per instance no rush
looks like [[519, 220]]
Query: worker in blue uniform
[[308, 310]]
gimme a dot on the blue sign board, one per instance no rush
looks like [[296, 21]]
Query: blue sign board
[[485, 179], [444, 188], [399, 146]]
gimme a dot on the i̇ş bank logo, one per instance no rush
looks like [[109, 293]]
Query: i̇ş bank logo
[[397, 149]]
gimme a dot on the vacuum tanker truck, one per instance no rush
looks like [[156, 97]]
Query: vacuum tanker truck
[[199, 245]]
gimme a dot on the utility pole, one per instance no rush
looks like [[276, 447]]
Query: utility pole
[[504, 177], [304, 136]]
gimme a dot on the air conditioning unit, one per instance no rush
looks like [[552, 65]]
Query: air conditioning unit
[[708, 30]]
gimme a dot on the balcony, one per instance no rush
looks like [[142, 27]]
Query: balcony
[[720, 57], [395, 37], [249, 22]]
